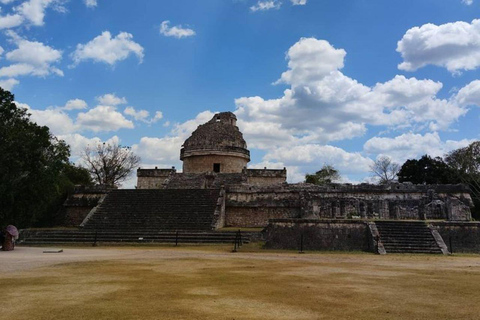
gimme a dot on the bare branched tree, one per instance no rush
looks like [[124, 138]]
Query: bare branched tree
[[110, 164], [385, 170]]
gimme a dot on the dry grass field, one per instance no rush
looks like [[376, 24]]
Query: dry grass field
[[212, 283]]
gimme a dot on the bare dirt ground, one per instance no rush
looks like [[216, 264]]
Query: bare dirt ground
[[213, 283]]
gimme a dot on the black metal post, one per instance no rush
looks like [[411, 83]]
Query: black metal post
[[235, 244], [176, 238], [240, 242], [95, 240], [301, 244]]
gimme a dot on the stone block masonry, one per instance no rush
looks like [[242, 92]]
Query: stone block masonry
[[343, 235]]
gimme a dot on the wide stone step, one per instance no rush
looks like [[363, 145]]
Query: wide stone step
[[406, 237]]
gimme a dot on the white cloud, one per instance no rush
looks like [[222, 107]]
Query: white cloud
[[31, 11], [454, 46], [140, 115], [158, 116], [90, 3], [467, 2], [175, 31], [470, 94], [103, 118], [75, 104], [110, 99], [310, 60], [263, 5], [11, 21], [8, 84], [34, 10], [55, 119], [108, 50], [314, 156], [412, 146], [322, 104], [299, 2], [78, 143], [163, 152], [31, 58]]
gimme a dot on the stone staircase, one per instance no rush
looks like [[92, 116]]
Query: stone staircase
[[408, 237], [144, 216], [127, 211]]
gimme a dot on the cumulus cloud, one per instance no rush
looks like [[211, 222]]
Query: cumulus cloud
[[175, 31], [263, 5], [314, 156], [110, 99], [470, 94], [467, 2], [90, 3], [75, 104], [11, 21], [106, 49], [103, 118], [78, 143], [454, 46], [8, 84], [55, 119], [299, 2], [31, 12], [143, 115], [30, 58], [411, 145], [322, 104]]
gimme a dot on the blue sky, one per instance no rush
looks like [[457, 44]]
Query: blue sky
[[312, 82]]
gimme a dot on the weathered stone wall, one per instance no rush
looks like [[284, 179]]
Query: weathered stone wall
[[265, 177], [460, 236], [78, 205], [250, 217], [345, 235], [75, 215], [153, 178], [204, 163], [400, 201]]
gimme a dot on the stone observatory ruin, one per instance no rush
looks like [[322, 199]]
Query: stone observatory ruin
[[217, 190]]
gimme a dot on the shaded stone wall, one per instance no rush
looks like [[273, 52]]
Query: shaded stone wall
[[318, 235], [460, 236], [78, 205]]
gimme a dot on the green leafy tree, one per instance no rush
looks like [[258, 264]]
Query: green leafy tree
[[32, 162], [465, 162], [328, 174], [427, 170]]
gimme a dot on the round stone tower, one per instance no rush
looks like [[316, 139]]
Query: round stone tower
[[216, 146]]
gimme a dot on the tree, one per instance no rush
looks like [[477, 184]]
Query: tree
[[385, 170], [327, 174], [32, 162], [110, 164], [426, 170], [465, 162]]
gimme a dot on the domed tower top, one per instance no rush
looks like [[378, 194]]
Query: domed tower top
[[216, 146]]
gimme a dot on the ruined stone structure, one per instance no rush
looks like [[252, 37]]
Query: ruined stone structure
[[389, 218]]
